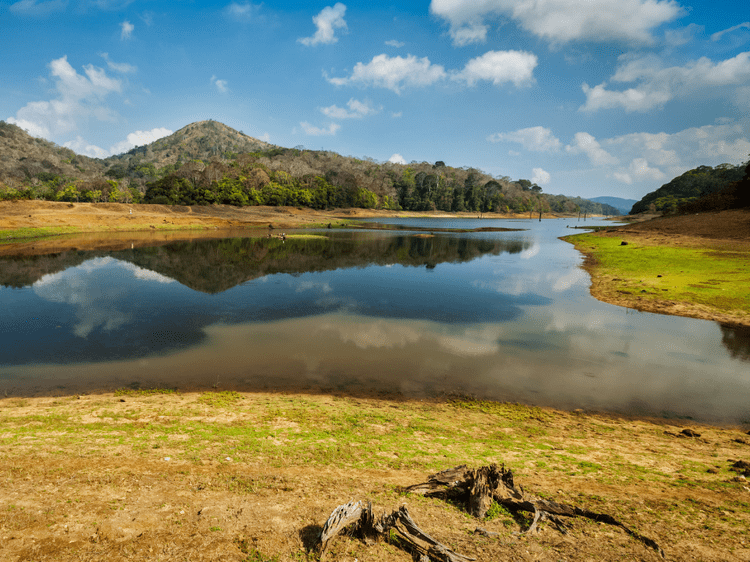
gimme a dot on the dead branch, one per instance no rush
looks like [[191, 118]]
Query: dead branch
[[483, 485], [362, 521]]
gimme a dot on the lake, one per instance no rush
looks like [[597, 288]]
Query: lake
[[498, 315]]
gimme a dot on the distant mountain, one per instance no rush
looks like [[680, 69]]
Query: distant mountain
[[622, 205], [198, 141]]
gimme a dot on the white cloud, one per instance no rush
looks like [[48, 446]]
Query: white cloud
[[538, 139], [317, 132], [122, 67], [653, 158], [678, 37], [397, 159], [719, 34], [588, 145], [80, 97], [80, 146], [468, 34], [678, 152], [658, 85], [37, 9], [327, 21], [499, 67], [640, 170], [265, 137], [397, 114], [394, 73], [140, 138], [221, 85], [623, 177], [244, 11], [394, 43], [559, 21], [540, 176], [357, 110], [126, 30]]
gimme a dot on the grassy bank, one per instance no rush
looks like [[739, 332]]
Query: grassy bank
[[166, 475], [698, 278]]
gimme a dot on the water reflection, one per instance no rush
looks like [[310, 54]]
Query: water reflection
[[505, 316], [737, 341], [142, 301]]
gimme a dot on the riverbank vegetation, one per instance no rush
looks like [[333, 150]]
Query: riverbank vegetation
[[151, 473]]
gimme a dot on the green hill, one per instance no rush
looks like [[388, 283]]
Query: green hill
[[690, 186], [208, 162]]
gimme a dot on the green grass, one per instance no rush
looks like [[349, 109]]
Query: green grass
[[29, 234], [709, 277]]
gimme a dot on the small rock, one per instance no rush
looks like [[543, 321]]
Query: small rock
[[623, 243], [712, 471], [690, 433]]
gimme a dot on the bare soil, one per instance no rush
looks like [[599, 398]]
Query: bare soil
[[106, 501]]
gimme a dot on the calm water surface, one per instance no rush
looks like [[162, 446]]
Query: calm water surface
[[502, 315]]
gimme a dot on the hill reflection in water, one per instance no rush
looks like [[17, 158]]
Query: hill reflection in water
[[136, 302], [506, 316]]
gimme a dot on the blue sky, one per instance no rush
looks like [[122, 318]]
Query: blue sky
[[602, 97]]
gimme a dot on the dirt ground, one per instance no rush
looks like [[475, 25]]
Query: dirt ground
[[86, 494]]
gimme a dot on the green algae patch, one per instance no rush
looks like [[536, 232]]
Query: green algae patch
[[712, 276]]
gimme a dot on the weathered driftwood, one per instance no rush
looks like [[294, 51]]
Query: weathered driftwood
[[483, 485], [361, 520]]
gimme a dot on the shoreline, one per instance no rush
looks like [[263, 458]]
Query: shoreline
[[669, 251]]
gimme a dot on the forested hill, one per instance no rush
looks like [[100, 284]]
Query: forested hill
[[689, 187], [208, 162]]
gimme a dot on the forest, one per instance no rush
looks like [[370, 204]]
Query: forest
[[209, 163]]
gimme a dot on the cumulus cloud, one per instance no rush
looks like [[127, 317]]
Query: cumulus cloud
[[317, 131], [357, 110], [126, 30], [221, 85], [540, 176], [327, 22], [559, 21], [397, 159], [657, 85], [79, 97], [537, 139], [140, 138], [394, 73], [37, 9], [584, 143], [683, 150], [652, 158], [719, 34], [499, 67]]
